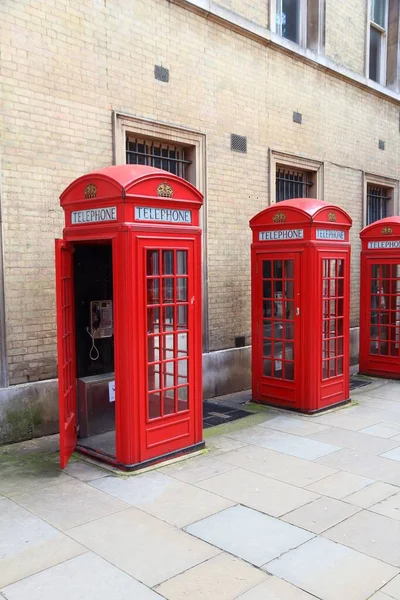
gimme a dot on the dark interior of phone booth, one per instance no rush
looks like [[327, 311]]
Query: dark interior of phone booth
[[93, 287]]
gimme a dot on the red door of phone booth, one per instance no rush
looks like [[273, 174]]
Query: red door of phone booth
[[380, 299], [300, 259], [128, 280]]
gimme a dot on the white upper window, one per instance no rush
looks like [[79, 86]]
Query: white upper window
[[290, 18], [378, 40]]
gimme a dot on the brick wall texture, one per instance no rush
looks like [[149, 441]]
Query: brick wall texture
[[67, 65]]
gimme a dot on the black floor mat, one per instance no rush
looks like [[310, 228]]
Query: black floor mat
[[356, 382], [215, 414]]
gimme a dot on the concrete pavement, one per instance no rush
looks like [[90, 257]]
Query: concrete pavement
[[280, 507]]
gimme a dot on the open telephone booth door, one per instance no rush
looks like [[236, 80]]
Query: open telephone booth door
[[66, 350]]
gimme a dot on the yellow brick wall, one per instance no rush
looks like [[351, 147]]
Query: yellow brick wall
[[65, 68], [253, 10], [346, 23]]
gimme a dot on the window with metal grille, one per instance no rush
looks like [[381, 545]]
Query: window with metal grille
[[162, 155], [378, 199], [292, 183]]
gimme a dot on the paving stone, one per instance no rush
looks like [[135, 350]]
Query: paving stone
[[219, 444], [222, 577], [28, 544], [393, 588], [69, 504], [382, 430], [256, 491], [164, 497], [372, 494], [196, 469], [347, 419], [390, 507], [146, 548], [87, 577], [275, 589], [278, 466], [370, 533], [340, 485], [320, 514], [292, 445], [355, 440], [331, 571], [365, 465], [295, 425], [393, 454], [83, 471], [28, 473], [249, 534]]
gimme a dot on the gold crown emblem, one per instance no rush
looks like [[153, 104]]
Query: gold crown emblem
[[164, 190], [332, 217], [387, 230], [279, 217], [90, 191]]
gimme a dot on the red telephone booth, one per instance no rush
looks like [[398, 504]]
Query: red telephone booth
[[380, 299], [128, 275], [300, 305]]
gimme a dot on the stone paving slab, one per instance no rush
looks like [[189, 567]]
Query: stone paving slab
[[29, 544], [87, 577], [256, 491], [223, 577], [286, 443], [332, 571], [355, 440], [275, 589], [230, 531], [339, 485], [382, 430], [69, 504], [320, 515], [372, 534], [364, 465], [372, 494], [288, 469], [143, 546], [156, 493]]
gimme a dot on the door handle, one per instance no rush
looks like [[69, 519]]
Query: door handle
[[297, 311]]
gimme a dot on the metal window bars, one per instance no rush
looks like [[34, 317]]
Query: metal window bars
[[377, 203], [291, 183], [157, 154]]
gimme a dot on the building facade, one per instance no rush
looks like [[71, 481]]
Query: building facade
[[252, 102]]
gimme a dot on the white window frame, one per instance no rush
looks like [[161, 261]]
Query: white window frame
[[384, 38], [124, 124], [276, 26], [381, 181], [291, 161]]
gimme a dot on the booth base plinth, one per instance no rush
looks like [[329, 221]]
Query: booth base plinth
[[144, 464], [302, 411]]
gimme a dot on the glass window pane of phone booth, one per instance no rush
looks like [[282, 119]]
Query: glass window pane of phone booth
[[384, 309], [167, 332], [278, 318], [94, 333]]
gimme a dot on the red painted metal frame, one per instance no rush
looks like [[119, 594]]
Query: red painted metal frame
[[309, 391], [139, 441], [385, 232], [66, 350]]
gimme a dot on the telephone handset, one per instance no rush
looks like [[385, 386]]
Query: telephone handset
[[101, 323]]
